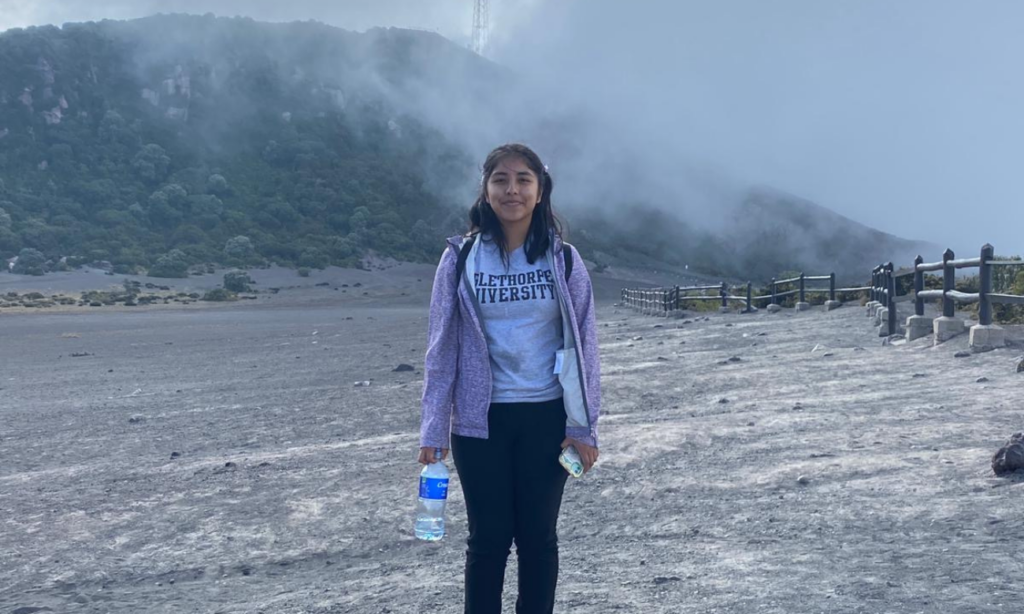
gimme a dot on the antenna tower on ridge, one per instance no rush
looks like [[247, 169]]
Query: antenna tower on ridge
[[480, 26]]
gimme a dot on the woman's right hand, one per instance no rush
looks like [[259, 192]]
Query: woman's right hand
[[427, 455]]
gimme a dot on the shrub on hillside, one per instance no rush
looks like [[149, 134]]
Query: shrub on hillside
[[237, 281], [314, 259], [240, 250], [173, 264], [220, 295], [30, 262]]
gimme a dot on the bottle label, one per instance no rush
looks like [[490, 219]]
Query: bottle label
[[434, 488]]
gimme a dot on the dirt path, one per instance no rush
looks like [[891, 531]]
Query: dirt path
[[292, 489]]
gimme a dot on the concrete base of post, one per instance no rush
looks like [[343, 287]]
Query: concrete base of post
[[985, 338], [830, 305], [947, 328], [882, 321], [878, 315], [774, 308], [803, 306], [870, 306], [724, 310], [918, 326]]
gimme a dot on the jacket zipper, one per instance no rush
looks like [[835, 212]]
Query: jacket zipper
[[575, 340]]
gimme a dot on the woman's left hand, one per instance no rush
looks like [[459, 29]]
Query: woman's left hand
[[588, 454]]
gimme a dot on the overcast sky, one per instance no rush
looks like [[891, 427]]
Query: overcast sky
[[906, 116]]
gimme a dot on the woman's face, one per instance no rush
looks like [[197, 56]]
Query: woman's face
[[513, 190]]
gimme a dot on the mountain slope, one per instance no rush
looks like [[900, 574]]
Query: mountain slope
[[124, 140], [772, 231], [155, 143]]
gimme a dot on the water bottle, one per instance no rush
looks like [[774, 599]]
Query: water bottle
[[433, 494]]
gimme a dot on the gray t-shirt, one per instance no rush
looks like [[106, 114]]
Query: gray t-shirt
[[522, 322]]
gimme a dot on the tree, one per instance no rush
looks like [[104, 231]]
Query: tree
[[172, 264], [30, 262], [218, 185], [240, 250], [5, 218], [167, 206], [206, 210], [40, 235], [283, 212], [237, 281], [219, 295], [313, 258], [115, 130], [151, 163], [342, 248], [10, 243], [359, 220]]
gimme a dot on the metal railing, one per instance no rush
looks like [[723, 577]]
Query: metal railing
[[662, 300], [884, 286], [802, 290]]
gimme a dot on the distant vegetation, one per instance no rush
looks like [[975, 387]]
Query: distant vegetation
[[110, 151], [163, 145]]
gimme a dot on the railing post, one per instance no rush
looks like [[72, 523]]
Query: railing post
[[675, 306], [890, 277], [724, 293], [774, 300], [832, 287], [892, 301], [880, 295], [985, 279], [803, 299], [918, 286], [750, 298], [948, 284], [874, 283]]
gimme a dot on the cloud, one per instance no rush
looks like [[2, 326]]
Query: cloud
[[903, 116], [449, 17]]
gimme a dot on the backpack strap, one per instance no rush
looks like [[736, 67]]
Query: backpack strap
[[460, 264]]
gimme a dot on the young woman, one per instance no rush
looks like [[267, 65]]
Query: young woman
[[512, 373]]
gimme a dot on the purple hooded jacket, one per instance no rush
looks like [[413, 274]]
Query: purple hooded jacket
[[457, 371]]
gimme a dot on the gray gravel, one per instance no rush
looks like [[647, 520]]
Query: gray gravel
[[221, 460]]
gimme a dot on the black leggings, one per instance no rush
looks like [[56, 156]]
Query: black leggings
[[513, 483]]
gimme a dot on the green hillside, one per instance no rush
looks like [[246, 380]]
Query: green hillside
[[172, 141], [123, 141]]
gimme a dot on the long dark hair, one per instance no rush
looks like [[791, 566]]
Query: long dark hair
[[482, 219]]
